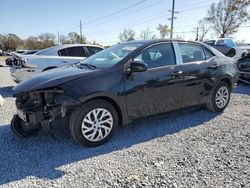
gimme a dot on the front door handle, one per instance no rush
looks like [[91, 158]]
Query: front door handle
[[214, 67], [176, 74]]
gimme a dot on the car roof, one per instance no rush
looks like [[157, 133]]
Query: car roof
[[54, 49], [73, 45], [153, 41]]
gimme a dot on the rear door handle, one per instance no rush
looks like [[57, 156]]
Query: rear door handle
[[214, 67], [176, 73]]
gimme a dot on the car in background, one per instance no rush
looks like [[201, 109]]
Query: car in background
[[26, 66], [14, 56], [244, 66], [120, 84], [228, 47], [245, 46], [1, 52]]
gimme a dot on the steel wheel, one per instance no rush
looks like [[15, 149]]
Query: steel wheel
[[221, 97], [97, 124]]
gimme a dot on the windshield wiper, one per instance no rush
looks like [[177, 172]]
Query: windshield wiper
[[92, 67]]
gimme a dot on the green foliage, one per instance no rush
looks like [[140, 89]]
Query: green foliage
[[164, 30], [74, 38], [127, 35], [10, 42], [226, 16]]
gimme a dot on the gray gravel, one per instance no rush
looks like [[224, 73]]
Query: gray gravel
[[188, 148]]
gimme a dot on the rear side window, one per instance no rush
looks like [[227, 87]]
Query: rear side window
[[62, 52], [191, 52], [76, 52], [94, 50]]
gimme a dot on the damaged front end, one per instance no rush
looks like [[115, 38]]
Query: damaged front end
[[39, 109]]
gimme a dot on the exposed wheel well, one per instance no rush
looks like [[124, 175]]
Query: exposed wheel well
[[48, 68], [228, 81], [111, 101]]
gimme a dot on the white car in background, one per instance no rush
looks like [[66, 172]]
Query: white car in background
[[228, 47], [24, 67]]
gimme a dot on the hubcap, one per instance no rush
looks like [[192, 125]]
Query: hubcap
[[97, 124], [222, 96]]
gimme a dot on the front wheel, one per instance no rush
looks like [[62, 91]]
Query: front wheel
[[94, 123], [220, 97]]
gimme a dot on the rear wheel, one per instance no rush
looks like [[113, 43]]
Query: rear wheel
[[220, 97], [94, 123]]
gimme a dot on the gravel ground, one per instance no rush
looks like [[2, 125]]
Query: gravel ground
[[188, 148]]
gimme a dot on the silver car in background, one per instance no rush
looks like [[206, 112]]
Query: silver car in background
[[58, 56]]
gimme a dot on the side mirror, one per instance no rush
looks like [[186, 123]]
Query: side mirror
[[138, 66]]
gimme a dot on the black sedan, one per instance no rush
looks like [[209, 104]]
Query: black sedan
[[120, 84], [244, 66]]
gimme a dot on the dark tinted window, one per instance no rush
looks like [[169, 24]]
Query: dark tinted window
[[94, 50], [158, 56], [76, 52], [62, 52], [191, 52]]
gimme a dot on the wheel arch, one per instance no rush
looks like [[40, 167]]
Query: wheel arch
[[228, 81], [111, 99]]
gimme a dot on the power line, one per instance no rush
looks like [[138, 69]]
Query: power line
[[125, 15], [109, 15], [131, 25], [116, 12]]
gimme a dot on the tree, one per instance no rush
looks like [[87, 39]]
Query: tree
[[47, 39], [203, 29], [33, 43], [164, 30], [75, 38], [226, 16], [62, 39], [10, 42], [147, 34], [127, 35]]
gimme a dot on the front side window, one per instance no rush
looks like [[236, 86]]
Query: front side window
[[62, 52], [191, 52], [157, 56], [76, 51]]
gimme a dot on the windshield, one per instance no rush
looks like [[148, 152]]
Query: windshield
[[111, 56]]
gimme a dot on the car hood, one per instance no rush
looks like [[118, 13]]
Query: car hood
[[52, 78]]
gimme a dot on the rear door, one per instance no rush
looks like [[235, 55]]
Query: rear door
[[197, 66]]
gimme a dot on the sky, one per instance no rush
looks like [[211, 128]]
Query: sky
[[103, 20]]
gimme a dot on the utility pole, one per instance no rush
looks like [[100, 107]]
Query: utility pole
[[197, 34], [58, 38], [81, 30], [172, 19]]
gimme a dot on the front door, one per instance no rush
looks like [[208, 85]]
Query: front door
[[158, 89]]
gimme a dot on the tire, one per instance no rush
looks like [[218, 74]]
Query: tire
[[83, 125], [216, 103], [17, 125]]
